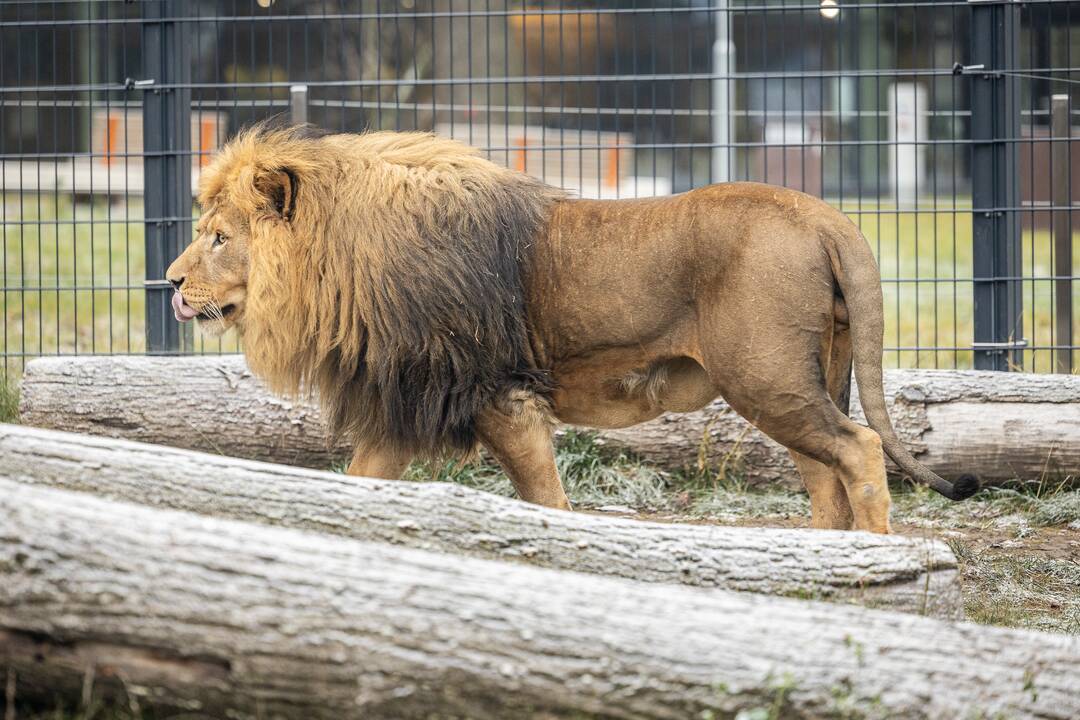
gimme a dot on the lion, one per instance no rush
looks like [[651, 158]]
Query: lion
[[435, 302]]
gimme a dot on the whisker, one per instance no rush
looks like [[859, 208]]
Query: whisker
[[213, 310]]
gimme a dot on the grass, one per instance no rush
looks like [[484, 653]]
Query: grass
[[72, 278], [1019, 551], [9, 400], [592, 475], [1020, 589], [596, 476], [992, 508]]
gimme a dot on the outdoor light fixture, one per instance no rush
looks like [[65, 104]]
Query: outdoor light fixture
[[829, 9], [268, 3]]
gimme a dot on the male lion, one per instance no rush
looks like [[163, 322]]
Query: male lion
[[432, 300]]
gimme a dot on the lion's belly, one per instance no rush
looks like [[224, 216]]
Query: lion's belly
[[597, 392]]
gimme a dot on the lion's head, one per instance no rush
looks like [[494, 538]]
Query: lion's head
[[245, 189], [382, 271], [211, 275]]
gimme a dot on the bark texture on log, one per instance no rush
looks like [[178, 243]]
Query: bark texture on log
[[224, 617], [912, 574], [999, 426], [208, 403]]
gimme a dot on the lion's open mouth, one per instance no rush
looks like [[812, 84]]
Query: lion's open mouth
[[225, 312], [185, 312]]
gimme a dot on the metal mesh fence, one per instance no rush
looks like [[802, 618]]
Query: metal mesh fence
[[941, 128]]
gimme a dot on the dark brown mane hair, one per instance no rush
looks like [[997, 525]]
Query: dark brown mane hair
[[393, 289]]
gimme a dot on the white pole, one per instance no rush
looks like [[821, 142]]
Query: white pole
[[298, 103], [723, 67]]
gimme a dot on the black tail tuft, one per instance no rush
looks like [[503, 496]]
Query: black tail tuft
[[965, 486]]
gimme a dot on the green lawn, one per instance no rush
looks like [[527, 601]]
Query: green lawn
[[932, 246], [72, 279], [72, 282]]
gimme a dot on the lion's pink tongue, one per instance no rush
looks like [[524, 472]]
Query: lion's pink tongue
[[181, 309]]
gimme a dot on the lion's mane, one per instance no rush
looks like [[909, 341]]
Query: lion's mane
[[394, 289]]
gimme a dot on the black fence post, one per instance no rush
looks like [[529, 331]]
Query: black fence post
[[1061, 198], [167, 163], [995, 185]]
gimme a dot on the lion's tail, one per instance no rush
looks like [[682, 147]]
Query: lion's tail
[[856, 272]]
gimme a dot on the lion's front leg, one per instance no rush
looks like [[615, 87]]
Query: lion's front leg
[[517, 432], [379, 462]]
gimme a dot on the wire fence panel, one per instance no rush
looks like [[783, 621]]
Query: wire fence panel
[[943, 129]]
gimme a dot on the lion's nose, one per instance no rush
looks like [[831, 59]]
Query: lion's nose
[[176, 282]]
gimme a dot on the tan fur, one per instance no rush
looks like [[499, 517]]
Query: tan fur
[[432, 298]]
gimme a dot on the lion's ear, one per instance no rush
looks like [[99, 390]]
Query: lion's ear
[[279, 188]]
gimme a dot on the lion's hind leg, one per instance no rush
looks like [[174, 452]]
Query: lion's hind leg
[[779, 384], [841, 463], [517, 432], [829, 504]]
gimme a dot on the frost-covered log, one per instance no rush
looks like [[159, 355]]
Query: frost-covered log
[[914, 574], [208, 403], [1000, 426], [232, 619]]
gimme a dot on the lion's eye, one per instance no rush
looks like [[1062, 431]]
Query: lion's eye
[[219, 239]]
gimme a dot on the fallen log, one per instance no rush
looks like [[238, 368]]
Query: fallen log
[[1000, 426], [208, 403], [912, 574], [226, 618]]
